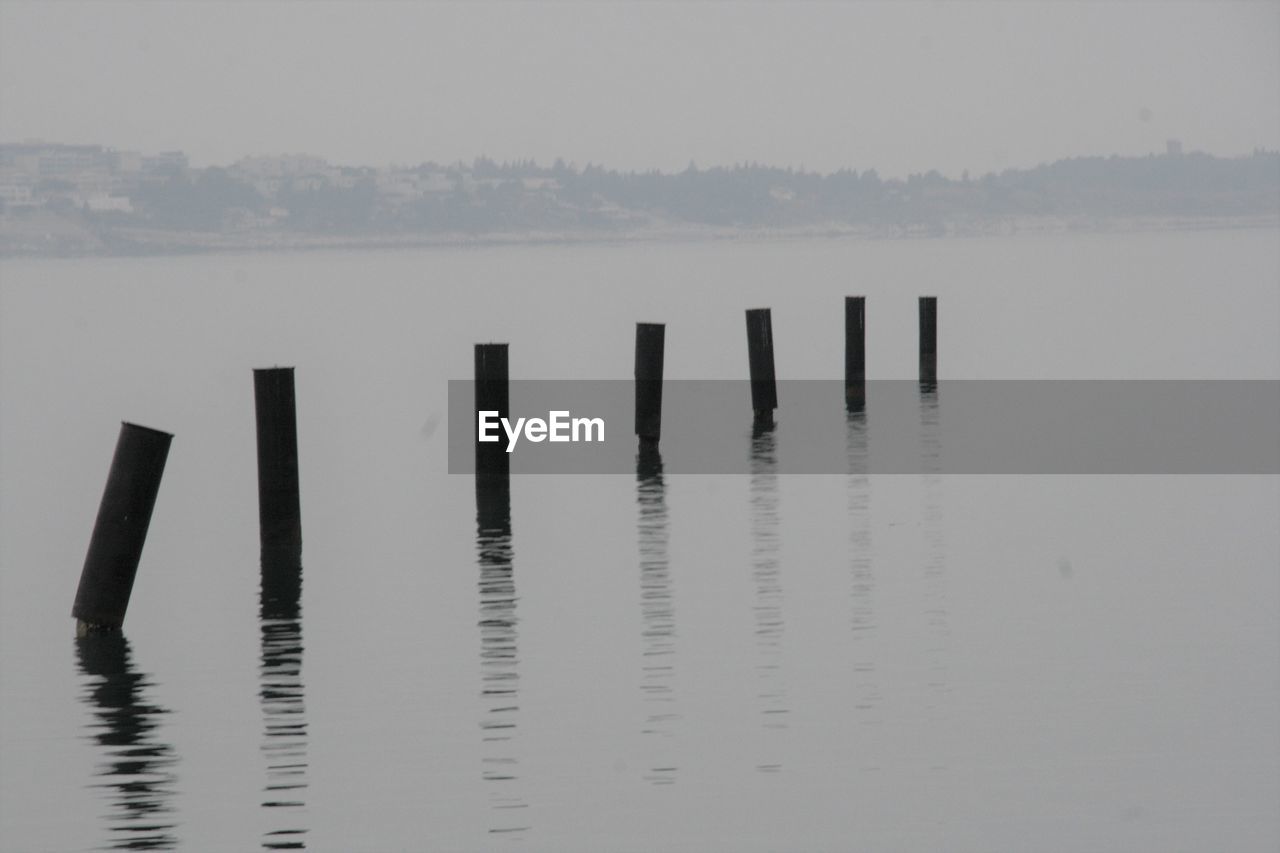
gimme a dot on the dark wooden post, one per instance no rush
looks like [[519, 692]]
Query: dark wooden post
[[764, 389], [279, 508], [855, 353], [650, 338], [124, 515], [929, 339], [492, 395]]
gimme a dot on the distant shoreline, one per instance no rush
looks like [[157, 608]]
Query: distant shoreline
[[91, 201], [65, 240]]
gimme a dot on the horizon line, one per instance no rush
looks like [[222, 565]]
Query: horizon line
[[574, 166]]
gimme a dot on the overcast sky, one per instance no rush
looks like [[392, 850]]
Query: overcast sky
[[902, 88]]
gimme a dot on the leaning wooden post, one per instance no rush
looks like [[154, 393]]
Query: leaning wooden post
[[855, 353], [929, 339], [650, 338], [492, 395], [764, 390], [124, 515], [279, 510]]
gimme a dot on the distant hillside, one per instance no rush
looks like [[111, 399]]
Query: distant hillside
[[89, 200]]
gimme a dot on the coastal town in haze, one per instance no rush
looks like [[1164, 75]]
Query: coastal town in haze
[[60, 199]]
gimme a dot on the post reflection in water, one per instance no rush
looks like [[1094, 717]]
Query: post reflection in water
[[937, 614], [499, 657], [281, 692], [771, 693], [866, 680], [137, 767], [658, 631]]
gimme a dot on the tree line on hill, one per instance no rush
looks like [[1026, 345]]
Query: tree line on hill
[[487, 196]]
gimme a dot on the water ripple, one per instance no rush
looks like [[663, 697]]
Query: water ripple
[[137, 768], [282, 694], [770, 624], [936, 607], [866, 682], [657, 611], [499, 656]]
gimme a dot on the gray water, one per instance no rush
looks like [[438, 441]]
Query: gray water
[[634, 663]]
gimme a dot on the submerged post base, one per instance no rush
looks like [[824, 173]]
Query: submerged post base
[[85, 629]]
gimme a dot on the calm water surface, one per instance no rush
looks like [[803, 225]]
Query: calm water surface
[[654, 662]]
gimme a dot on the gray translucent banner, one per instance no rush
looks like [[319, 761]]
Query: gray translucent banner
[[899, 427]]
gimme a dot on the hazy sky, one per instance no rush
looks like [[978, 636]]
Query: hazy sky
[[902, 88]]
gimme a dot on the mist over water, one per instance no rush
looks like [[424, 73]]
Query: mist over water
[[1014, 591], [645, 660]]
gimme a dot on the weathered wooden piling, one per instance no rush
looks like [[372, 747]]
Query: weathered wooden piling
[[929, 339], [650, 340], [279, 510], [493, 512], [492, 395], [764, 389], [855, 353], [124, 515]]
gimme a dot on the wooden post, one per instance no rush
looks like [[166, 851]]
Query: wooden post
[[493, 512], [492, 395], [279, 508], [929, 339], [650, 338], [124, 515], [764, 390], [855, 353]]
